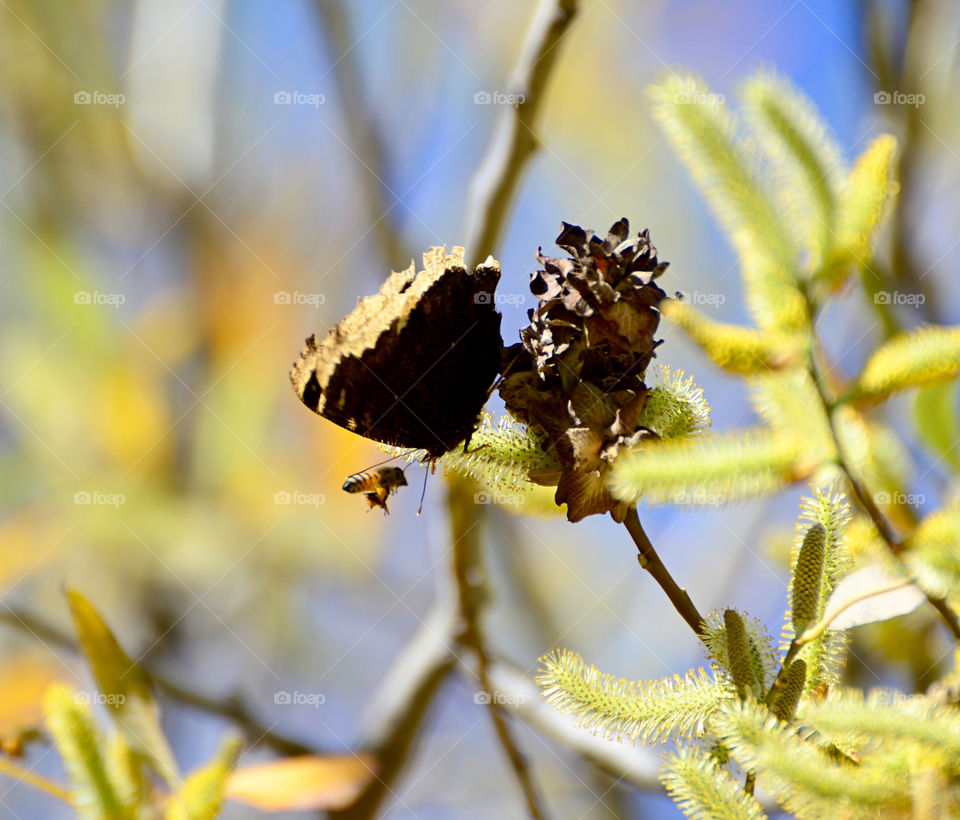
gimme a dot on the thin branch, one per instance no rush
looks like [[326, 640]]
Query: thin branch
[[399, 708], [514, 141], [23, 775], [232, 708], [651, 562], [893, 544], [365, 139], [473, 595]]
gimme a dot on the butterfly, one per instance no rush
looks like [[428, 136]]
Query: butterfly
[[411, 365]]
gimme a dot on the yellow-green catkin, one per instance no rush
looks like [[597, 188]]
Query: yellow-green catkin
[[807, 578], [788, 693], [739, 655]]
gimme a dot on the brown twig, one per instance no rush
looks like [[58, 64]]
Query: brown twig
[[366, 142], [399, 708], [866, 501], [232, 708], [651, 562], [473, 595], [514, 140]]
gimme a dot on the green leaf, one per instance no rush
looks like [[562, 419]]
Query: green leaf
[[711, 472], [124, 688], [807, 160], [704, 791], [646, 711], [202, 793], [70, 721], [938, 421], [736, 349], [867, 194], [704, 133], [924, 356]]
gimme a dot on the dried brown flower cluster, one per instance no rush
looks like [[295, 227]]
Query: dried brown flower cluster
[[578, 373]]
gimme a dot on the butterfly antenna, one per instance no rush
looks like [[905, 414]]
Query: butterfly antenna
[[423, 492], [392, 458]]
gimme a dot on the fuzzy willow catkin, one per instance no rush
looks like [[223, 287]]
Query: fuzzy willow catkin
[[738, 652], [788, 693], [807, 576]]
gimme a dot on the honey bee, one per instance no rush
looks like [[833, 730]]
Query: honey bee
[[376, 485]]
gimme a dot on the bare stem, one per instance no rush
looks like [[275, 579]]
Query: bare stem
[[514, 138], [473, 595], [366, 142], [865, 499], [232, 708], [651, 562]]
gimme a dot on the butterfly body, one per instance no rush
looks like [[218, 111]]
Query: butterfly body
[[376, 485]]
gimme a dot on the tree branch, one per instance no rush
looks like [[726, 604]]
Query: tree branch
[[651, 562], [233, 707], [860, 492], [473, 595], [514, 137], [365, 139]]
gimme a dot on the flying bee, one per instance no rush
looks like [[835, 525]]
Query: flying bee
[[376, 485]]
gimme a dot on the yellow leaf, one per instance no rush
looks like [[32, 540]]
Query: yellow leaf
[[308, 782], [123, 686]]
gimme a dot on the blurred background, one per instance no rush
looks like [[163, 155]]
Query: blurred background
[[189, 188]]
